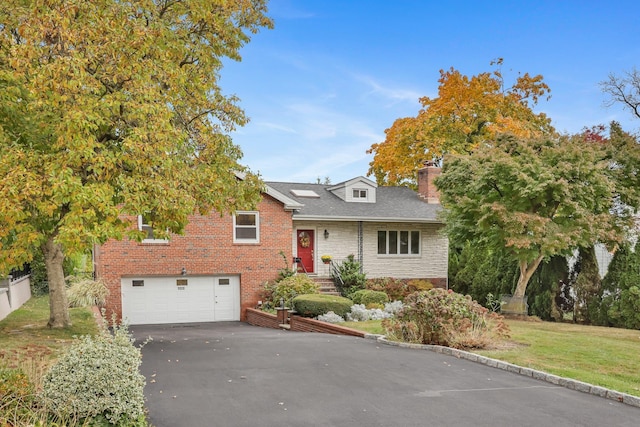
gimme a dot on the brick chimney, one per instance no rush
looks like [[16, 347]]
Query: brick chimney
[[426, 189]]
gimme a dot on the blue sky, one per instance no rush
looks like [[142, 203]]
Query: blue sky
[[326, 82]]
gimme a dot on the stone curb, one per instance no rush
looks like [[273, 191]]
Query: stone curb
[[624, 398]]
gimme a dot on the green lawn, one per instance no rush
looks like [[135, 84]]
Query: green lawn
[[24, 334], [607, 357], [369, 326]]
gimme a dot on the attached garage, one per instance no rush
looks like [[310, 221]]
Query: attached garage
[[180, 299]]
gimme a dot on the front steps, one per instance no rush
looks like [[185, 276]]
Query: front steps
[[327, 285]]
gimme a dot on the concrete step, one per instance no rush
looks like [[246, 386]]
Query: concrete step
[[327, 285]]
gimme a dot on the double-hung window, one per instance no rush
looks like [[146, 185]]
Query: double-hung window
[[359, 194], [398, 242], [246, 227], [144, 224]]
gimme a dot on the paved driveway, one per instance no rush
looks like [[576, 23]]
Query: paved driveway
[[234, 374]]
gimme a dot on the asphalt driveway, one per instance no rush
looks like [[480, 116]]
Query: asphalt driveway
[[234, 374]]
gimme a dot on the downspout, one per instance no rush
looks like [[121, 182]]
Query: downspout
[[360, 246]]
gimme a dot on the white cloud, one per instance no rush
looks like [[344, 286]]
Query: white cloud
[[394, 94], [276, 126]]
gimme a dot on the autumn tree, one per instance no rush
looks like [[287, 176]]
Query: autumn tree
[[112, 109], [625, 90], [467, 112], [534, 197]]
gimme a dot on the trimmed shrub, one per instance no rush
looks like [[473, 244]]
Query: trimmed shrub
[[446, 318], [367, 296], [287, 289], [87, 293], [316, 305], [98, 377]]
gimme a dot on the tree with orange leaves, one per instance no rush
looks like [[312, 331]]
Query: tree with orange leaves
[[466, 112]]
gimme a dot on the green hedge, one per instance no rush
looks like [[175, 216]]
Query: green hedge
[[367, 296], [315, 305]]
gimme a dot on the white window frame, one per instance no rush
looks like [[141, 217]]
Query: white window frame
[[256, 226], [359, 192], [398, 241], [144, 227]]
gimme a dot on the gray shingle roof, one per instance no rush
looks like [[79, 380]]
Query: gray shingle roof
[[392, 204]]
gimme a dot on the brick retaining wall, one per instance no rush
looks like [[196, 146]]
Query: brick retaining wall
[[298, 324], [304, 324], [260, 318]]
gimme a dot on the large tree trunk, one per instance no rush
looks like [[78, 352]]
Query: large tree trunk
[[526, 271], [58, 304]]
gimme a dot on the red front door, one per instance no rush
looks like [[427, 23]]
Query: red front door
[[305, 250]]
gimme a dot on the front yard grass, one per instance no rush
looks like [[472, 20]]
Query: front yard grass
[[27, 342], [368, 326], [607, 357]]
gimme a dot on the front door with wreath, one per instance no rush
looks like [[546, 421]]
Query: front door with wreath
[[306, 242]]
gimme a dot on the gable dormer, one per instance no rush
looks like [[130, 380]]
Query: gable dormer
[[356, 190]]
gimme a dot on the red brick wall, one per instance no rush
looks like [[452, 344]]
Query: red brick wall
[[304, 324], [426, 188], [299, 324], [260, 318], [206, 248]]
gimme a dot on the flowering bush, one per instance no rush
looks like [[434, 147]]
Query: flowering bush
[[98, 377], [330, 317], [445, 318]]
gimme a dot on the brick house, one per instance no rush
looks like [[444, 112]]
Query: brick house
[[216, 269]]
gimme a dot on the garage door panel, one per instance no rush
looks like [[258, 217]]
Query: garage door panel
[[158, 300]]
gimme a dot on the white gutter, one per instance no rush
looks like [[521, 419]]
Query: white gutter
[[369, 219]]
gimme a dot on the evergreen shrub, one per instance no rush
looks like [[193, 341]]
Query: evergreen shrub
[[367, 296], [352, 278], [316, 305], [97, 378]]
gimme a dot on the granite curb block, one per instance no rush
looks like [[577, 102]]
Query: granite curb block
[[538, 375]]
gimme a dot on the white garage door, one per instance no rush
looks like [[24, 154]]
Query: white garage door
[[154, 300]]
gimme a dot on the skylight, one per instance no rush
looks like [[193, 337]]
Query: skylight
[[305, 193]]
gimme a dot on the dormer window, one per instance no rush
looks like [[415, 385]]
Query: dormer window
[[359, 194], [359, 190]]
